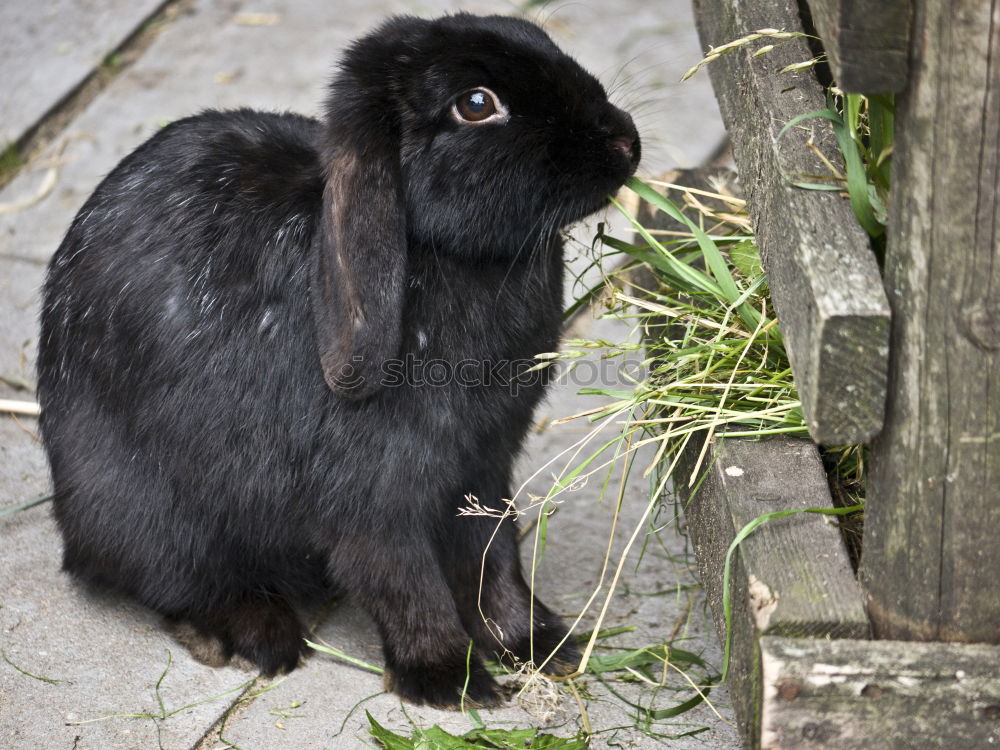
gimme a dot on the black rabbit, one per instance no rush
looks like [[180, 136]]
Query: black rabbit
[[278, 353]]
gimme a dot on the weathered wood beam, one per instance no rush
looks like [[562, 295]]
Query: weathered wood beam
[[823, 277], [931, 560], [866, 42], [790, 577], [891, 695]]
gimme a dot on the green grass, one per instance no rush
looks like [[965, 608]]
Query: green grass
[[10, 162], [18, 507], [863, 126], [613, 666], [26, 673], [436, 738], [716, 360]]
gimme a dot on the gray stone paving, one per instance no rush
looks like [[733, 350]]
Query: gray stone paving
[[108, 653], [50, 47]]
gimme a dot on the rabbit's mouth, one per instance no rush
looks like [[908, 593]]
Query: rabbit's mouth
[[592, 206], [596, 163]]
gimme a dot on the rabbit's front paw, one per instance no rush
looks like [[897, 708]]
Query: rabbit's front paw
[[565, 661], [550, 648], [442, 685]]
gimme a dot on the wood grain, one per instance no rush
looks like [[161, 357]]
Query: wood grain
[[866, 42], [823, 276], [931, 559], [890, 695]]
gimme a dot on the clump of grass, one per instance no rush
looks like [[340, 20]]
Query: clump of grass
[[716, 364], [716, 361], [613, 667], [717, 367], [480, 738], [863, 126]]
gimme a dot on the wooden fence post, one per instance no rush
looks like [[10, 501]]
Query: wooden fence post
[[931, 561], [866, 42], [823, 278]]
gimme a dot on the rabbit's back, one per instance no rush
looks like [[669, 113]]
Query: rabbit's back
[[209, 220], [174, 322]]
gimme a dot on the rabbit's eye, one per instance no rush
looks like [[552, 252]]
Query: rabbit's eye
[[477, 107]]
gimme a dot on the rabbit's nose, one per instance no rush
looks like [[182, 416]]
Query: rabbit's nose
[[625, 144], [617, 126]]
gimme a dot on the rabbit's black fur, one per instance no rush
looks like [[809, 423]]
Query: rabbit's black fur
[[245, 331]]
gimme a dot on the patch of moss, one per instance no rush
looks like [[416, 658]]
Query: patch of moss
[[10, 161]]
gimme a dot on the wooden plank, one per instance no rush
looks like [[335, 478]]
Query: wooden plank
[[866, 42], [791, 576], [931, 559], [824, 280], [891, 695]]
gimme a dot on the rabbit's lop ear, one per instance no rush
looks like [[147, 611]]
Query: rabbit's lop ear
[[358, 262]]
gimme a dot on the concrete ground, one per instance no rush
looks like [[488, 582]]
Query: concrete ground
[[113, 677]]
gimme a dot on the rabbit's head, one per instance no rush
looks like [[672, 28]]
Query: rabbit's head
[[474, 136]]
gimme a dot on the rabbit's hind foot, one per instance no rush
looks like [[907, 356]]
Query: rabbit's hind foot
[[265, 634], [205, 648]]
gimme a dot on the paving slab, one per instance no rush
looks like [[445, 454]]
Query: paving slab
[[111, 652], [50, 48], [24, 470], [103, 654], [20, 282]]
